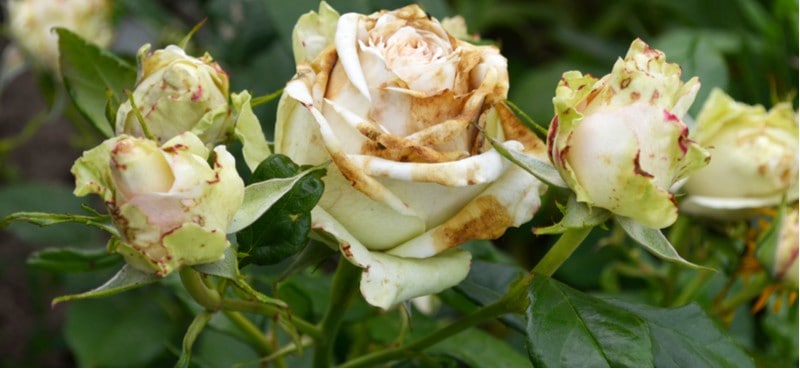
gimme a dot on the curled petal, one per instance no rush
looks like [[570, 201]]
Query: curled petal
[[387, 279]]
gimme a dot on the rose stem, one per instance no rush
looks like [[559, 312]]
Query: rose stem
[[344, 288], [479, 316], [253, 333], [561, 250], [197, 325], [748, 292], [211, 300]]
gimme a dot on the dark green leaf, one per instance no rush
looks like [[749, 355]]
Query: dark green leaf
[[127, 278], [282, 231], [123, 331], [92, 77], [488, 282], [567, 328], [478, 349], [73, 260], [687, 337]]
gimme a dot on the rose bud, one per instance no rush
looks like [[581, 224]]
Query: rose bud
[[755, 158], [170, 206], [619, 142], [400, 107], [785, 268], [30, 24], [176, 93]]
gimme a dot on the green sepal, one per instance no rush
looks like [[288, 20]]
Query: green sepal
[[654, 241], [540, 169], [576, 215], [126, 279], [73, 260], [102, 222]]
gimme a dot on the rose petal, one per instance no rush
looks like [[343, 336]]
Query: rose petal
[[346, 41], [507, 202], [388, 280]]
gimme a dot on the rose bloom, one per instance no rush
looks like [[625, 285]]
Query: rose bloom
[[170, 206], [785, 268], [30, 24], [172, 84], [395, 102], [177, 93], [755, 158], [619, 141]]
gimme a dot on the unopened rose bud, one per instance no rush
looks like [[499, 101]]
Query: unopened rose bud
[[176, 93], [619, 142], [170, 206], [785, 268], [755, 158]]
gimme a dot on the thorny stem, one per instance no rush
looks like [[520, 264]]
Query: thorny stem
[[262, 344]]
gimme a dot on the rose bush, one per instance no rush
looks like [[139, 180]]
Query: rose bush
[[755, 157], [176, 92], [170, 206], [30, 24], [619, 141], [395, 102]]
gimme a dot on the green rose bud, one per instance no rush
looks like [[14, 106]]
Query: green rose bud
[[170, 206], [30, 24], [619, 142], [177, 93], [755, 158]]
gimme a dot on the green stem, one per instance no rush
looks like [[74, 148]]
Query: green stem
[[270, 311], [747, 293], [479, 316], [194, 330], [343, 289], [255, 335], [561, 250], [260, 100], [691, 289], [206, 297]]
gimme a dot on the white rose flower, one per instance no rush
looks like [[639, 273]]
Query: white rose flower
[[395, 102], [619, 142], [170, 206], [755, 158], [30, 24]]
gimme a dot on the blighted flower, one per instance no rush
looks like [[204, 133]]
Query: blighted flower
[[400, 107], [619, 142], [177, 93], [171, 207], [755, 158]]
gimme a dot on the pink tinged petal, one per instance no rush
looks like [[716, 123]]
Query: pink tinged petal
[[346, 41]]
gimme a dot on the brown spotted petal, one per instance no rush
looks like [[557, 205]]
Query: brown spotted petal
[[387, 279]]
